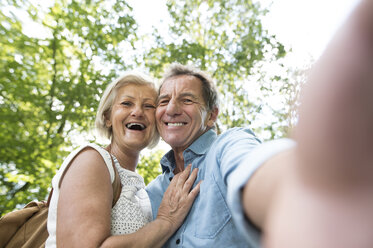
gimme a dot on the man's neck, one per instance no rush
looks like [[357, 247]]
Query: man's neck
[[179, 159]]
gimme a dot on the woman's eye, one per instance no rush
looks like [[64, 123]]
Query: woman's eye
[[126, 103], [149, 106]]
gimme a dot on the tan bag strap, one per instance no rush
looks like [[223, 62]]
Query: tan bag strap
[[49, 197], [117, 187]]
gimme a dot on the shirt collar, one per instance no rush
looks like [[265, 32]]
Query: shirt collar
[[199, 147]]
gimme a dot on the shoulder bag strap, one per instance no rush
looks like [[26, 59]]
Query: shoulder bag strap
[[117, 187]]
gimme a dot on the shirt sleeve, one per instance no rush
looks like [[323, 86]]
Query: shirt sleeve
[[242, 173], [231, 148]]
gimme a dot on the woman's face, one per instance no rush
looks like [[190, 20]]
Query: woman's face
[[132, 116]]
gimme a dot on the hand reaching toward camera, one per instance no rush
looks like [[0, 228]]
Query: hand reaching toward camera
[[326, 199]]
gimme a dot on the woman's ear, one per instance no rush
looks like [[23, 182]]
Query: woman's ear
[[107, 120], [107, 123], [213, 116]]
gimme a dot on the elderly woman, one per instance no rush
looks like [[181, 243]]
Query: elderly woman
[[81, 212]]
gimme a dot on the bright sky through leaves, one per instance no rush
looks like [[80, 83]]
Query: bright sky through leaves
[[305, 25]]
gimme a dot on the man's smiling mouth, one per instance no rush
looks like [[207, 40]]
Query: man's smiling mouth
[[175, 124]]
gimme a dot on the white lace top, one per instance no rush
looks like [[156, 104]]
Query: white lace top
[[132, 210]]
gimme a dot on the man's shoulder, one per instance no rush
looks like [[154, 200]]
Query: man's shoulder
[[234, 138], [237, 131]]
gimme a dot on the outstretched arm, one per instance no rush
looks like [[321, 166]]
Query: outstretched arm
[[319, 194]]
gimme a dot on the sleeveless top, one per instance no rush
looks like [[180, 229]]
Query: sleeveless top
[[131, 211]]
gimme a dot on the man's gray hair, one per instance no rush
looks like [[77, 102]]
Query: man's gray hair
[[209, 91]]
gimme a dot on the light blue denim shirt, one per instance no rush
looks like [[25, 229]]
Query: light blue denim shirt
[[242, 173], [210, 222]]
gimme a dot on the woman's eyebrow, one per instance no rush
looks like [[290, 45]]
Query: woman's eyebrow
[[133, 97], [121, 97]]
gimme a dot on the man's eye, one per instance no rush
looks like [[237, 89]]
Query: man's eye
[[187, 101], [163, 102]]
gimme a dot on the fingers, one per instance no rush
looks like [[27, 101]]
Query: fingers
[[179, 197], [182, 177], [185, 180], [181, 187], [190, 180], [194, 192]]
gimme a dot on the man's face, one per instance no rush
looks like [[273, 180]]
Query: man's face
[[181, 113]]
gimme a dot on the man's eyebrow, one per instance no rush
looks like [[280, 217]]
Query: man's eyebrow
[[162, 96], [189, 94], [185, 94]]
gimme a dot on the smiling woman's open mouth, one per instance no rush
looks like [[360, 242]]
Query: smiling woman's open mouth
[[136, 126]]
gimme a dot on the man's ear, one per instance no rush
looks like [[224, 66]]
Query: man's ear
[[213, 116]]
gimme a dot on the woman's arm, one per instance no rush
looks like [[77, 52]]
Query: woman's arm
[[84, 207], [175, 205]]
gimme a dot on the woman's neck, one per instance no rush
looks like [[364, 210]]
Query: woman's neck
[[127, 158]]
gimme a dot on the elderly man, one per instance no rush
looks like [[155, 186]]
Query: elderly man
[[313, 193], [186, 113]]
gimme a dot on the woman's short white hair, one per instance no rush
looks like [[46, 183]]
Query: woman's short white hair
[[107, 99]]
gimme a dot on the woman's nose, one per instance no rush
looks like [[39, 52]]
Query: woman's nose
[[137, 111]]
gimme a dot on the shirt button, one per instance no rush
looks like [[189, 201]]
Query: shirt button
[[178, 241]]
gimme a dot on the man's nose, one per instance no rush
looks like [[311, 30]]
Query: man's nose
[[173, 107]]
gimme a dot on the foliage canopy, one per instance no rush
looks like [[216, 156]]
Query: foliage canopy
[[51, 83], [51, 80]]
